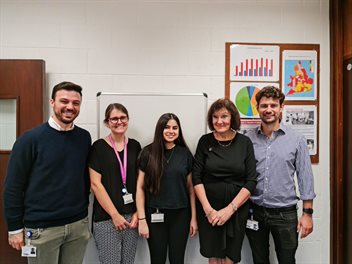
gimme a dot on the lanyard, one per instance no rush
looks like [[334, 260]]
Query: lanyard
[[123, 167]]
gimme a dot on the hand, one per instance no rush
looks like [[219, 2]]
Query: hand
[[213, 217], [17, 240], [305, 225], [120, 222], [193, 227], [143, 228], [225, 214], [134, 221]]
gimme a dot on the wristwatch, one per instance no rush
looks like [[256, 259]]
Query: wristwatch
[[308, 210]]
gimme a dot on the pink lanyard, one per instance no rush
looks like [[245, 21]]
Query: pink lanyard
[[123, 167]]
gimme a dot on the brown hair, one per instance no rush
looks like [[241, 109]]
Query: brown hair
[[270, 92], [229, 106], [68, 86], [113, 106]]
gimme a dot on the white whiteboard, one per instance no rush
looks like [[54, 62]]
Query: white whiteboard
[[144, 110]]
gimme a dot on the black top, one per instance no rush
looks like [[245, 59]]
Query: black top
[[173, 186], [231, 162], [103, 160]]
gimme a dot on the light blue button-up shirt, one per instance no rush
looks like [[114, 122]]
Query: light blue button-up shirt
[[278, 159]]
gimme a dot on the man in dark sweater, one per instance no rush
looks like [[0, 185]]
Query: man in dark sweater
[[46, 192]]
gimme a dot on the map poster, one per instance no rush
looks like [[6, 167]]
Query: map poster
[[299, 74]]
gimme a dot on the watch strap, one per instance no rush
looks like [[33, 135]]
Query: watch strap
[[308, 210]]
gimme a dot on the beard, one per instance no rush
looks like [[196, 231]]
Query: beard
[[270, 120], [62, 116]]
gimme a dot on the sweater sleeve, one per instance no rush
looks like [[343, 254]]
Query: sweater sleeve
[[198, 164], [250, 163], [19, 168]]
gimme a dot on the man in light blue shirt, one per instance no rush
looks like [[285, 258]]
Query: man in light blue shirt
[[280, 152]]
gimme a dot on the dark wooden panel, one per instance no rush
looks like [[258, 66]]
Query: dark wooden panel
[[347, 158], [22, 80], [347, 28], [336, 133]]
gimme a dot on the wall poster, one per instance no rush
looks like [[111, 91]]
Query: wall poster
[[254, 63], [299, 74], [293, 68], [303, 119]]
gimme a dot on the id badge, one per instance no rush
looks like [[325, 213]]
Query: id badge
[[157, 218], [29, 251], [252, 224], [127, 198]]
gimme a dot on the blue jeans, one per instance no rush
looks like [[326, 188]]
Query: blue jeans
[[282, 224], [60, 244]]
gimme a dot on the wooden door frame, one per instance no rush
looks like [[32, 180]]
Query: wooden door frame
[[22, 80], [336, 133]]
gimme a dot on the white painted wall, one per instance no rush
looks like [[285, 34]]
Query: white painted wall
[[167, 46]]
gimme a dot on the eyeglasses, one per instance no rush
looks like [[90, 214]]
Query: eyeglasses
[[115, 120]]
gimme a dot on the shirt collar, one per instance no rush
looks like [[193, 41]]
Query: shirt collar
[[282, 129], [56, 126]]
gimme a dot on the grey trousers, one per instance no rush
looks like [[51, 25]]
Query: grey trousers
[[61, 244]]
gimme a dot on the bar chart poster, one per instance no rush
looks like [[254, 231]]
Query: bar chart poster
[[299, 74], [254, 63], [243, 95]]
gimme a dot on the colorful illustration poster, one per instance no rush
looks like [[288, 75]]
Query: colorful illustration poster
[[299, 74], [243, 96], [254, 63]]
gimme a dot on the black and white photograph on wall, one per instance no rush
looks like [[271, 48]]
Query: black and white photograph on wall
[[303, 119]]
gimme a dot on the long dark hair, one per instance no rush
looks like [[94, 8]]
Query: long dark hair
[[155, 167]]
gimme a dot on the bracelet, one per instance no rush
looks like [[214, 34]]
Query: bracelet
[[234, 207], [140, 219]]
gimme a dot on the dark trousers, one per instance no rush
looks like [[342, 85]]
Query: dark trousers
[[282, 224], [171, 235]]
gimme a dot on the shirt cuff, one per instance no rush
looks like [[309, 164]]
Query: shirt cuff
[[15, 231]]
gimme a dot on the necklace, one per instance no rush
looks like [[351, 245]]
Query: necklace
[[229, 141], [225, 145], [172, 152]]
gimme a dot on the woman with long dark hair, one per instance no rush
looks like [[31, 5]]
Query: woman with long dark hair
[[165, 198]]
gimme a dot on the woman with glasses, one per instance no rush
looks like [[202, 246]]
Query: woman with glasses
[[165, 196], [113, 170], [224, 176]]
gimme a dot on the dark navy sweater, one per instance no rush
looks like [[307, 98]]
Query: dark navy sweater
[[47, 182]]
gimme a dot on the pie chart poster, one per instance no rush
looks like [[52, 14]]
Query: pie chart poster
[[243, 96]]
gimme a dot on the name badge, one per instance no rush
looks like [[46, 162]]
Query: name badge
[[29, 251], [127, 198], [157, 218], [252, 224]]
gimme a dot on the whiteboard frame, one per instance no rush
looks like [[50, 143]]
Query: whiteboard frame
[[192, 145]]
